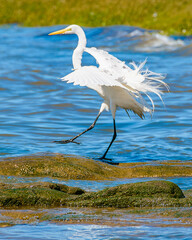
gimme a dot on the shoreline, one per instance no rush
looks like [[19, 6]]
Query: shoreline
[[168, 17], [36, 201]]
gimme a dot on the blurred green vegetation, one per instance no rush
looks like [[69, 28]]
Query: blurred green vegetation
[[170, 16]]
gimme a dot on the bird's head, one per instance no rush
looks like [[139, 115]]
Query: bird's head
[[72, 29]]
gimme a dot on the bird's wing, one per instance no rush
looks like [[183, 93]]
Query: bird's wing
[[108, 62], [113, 67], [135, 79], [117, 69], [90, 76]]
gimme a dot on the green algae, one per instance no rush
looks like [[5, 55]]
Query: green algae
[[71, 167], [36, 194], [123, 205], [58, 166], [31, 197], [144, 194], [157, 203], [151, 194]]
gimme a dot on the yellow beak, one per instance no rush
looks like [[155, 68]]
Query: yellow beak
[[62, 31]]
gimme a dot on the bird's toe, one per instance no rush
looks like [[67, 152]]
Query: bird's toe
[[62, 142], [66, 141], [107, 160]]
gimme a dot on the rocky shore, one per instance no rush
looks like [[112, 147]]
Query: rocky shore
[[45, 194]]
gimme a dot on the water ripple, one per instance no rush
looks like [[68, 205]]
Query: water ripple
[[37, 108]]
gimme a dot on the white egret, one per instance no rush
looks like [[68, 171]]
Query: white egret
[[119, 85]]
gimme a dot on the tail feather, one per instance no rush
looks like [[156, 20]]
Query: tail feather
[[139, 109], [146, 82]]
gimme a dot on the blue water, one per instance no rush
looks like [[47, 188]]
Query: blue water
[[184, 183], [37, 108], [97, 232]]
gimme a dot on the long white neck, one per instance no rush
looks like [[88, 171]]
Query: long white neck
[[78, 52]]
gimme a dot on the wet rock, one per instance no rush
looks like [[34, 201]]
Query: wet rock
[[56, 166], [56, 186], [144, 194], [146, 189], [6, 224], [31, 197], [36, 194], [66, 189], [71, 167]]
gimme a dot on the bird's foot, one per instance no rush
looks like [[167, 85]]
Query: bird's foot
[[107, 160], [66, 141], [104, 158]]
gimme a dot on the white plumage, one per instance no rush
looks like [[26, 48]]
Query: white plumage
[[91, 77], [118, 84]]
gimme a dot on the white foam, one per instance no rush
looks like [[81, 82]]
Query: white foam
[[135, 33], [156, 42]]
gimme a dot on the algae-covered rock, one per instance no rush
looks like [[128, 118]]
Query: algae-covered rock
[[31, 197], [57, 166], [146, 189], [152, 193], [66, 189], [36, 194], [56, 186], [71, 167]]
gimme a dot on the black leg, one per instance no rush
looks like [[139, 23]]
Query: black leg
[[114, 136], [72, 139]]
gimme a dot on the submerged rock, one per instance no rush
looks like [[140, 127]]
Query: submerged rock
[[152, 193], [156, 217]]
